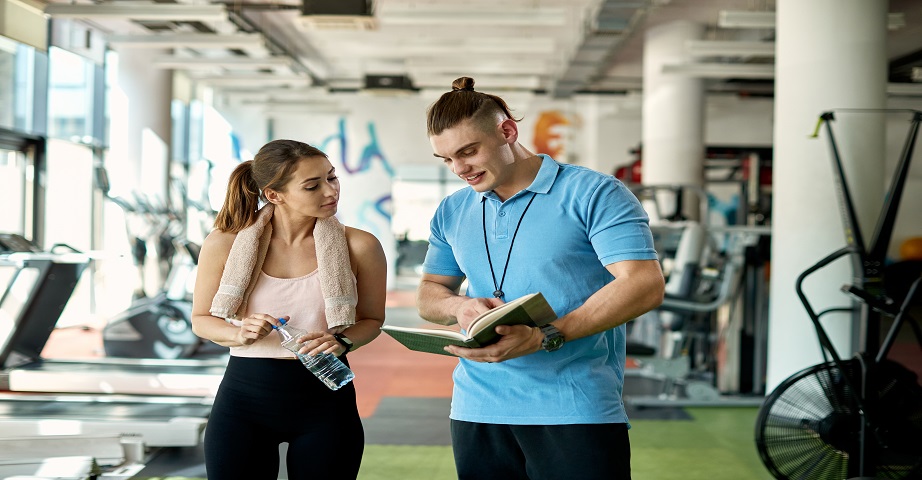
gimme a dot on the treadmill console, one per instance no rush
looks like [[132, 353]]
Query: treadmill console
[[12, 243]]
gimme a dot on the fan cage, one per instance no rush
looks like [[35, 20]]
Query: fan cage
[[810, 427]]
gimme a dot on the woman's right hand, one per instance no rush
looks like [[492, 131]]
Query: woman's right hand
[[256, 326]]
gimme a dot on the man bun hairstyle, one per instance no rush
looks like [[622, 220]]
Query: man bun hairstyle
[[463, 103]]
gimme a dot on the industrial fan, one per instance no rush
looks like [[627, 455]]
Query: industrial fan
[[810, 427], [857, 418]]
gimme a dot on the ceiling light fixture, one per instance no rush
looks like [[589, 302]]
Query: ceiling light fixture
[[257, 81], [766, 19], [745, 19], [904, 89], [721, 70], [717, 48], [337, 22]]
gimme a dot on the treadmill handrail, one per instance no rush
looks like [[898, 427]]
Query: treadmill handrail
[[144, 362], [19, 258]]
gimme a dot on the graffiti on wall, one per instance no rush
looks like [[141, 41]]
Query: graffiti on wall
[[552, 132], [374, 210], [370, 152]]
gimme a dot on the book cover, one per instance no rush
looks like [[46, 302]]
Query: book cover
[[531, 309]]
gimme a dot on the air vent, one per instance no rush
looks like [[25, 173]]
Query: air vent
[[337, 15], [336, 7], [388, 82]]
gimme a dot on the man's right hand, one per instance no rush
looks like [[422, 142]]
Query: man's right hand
[[473, 308]]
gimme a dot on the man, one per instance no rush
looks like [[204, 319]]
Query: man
[[542, 403]]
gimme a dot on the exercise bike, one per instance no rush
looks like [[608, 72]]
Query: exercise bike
[[858, 418], [158, 326]]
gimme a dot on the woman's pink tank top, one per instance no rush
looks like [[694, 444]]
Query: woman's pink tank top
[[300, 298]]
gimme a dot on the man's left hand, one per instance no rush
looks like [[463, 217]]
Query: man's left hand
[[515, 341]]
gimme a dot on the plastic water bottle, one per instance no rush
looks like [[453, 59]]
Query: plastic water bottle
[[325, 366]]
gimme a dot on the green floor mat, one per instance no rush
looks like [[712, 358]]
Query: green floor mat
[[717, 444], [393, 462], [714, 444]]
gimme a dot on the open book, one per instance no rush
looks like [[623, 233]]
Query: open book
[[531, 309]]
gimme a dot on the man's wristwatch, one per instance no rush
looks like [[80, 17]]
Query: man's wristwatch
[[553, 339], [344, 341]]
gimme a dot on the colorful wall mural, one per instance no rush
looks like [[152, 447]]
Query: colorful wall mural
[[373, 209], [552, 133]]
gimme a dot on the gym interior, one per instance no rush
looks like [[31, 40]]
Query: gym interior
[[771, 143]]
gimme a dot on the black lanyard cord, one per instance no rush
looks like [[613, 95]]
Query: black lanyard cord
[[498, 293]]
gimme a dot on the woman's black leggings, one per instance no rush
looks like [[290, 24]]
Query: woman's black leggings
[[263, 402]]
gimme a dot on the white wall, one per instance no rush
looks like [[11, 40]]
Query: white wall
[[732, 120]]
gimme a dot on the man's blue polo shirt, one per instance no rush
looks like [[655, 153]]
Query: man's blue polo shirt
[[580, 221]]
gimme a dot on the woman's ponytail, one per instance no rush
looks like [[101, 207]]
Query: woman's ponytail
[[241, 201]]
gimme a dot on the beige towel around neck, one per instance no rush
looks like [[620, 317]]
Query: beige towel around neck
[[245, 261]]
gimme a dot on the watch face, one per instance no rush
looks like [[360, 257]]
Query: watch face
[[553, 339], [553, 343]]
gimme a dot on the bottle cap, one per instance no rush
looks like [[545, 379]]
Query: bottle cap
[[275, 327]]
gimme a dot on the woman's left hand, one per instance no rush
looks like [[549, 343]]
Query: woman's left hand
[[314, 343]]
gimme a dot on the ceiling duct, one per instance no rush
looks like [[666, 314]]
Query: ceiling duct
[[337, 15], [605, 31]]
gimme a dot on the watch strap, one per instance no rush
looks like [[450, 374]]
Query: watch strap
[[344, 341], [553, 339]]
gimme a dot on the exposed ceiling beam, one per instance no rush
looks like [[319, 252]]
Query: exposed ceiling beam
[[197, 63], [394, 47], [459, 14], [151, 12], [188, 40], [257, 81]]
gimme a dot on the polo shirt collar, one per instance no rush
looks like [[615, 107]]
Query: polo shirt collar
[[543, 181]]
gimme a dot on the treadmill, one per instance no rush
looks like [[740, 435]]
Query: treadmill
[[166, 402]]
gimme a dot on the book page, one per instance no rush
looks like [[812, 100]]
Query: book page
[[487, 317]]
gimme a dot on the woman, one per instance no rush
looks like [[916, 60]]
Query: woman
[[266, 396]]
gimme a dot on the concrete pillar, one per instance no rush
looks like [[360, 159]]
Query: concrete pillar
[[673, 111], [830, 54], [140, 123]]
